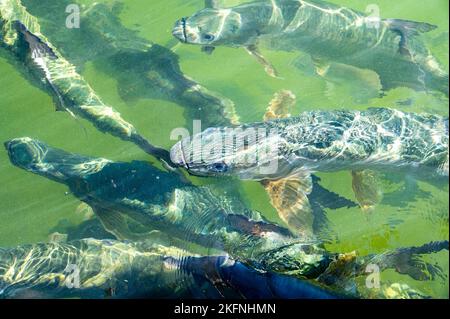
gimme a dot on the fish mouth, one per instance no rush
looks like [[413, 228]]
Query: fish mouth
[[179, 31], [23, 152]]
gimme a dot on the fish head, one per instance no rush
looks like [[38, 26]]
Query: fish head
[[247, 153], [210, 27], [39, 158], [25, 152]]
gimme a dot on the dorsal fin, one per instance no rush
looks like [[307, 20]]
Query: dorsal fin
[[280, 106], [213, 4], [289, 196]]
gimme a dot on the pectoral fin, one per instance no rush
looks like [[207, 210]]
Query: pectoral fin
[[280, 106], [268, 67], [322, 66], [208, 49], [85, 210], [57, 237], [289, 196], [367, 189]]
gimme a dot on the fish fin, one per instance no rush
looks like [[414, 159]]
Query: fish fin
[[59, 103], [340, 270], [85, 210], [208, 49], [322, 66], [289, 196], [57, 237], [367, 189], [213, 4], [38, 48], [116, 223], [408, 261], [268, 67], [408, 29], [280, 106]]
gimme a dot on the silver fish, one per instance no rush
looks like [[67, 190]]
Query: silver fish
[[329, 33], [19, 30], [125, 194], [378, 138], [90, 268], [283, 153]]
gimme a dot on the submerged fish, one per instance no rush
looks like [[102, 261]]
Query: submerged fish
[[142, 69], [134, 199], [379, 139], [91, 268], [329, 33], [21, 35]]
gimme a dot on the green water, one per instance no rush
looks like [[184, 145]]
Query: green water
[[32, 207]]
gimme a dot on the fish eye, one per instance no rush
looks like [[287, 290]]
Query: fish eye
[[219, 167], [208, 37]]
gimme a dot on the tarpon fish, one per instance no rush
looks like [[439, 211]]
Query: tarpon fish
[[378, 139], [91, 268], [141, 68], [21, 35], [134, 200], [329, 33]]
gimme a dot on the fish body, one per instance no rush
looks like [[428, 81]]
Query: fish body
[[329, 33], [91, 268], [379, 138], [125, 194], [21, 36]]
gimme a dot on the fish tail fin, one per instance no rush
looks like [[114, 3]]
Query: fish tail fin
[[441, 84], [429, 248], [410, 28], [408, 261]]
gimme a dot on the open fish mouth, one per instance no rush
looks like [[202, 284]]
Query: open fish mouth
[[179, 30]]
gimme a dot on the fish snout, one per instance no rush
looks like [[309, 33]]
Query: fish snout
[[21, 151], [179, 30], [185, 33]]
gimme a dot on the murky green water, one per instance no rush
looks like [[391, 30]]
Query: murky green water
[[32, 207]]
